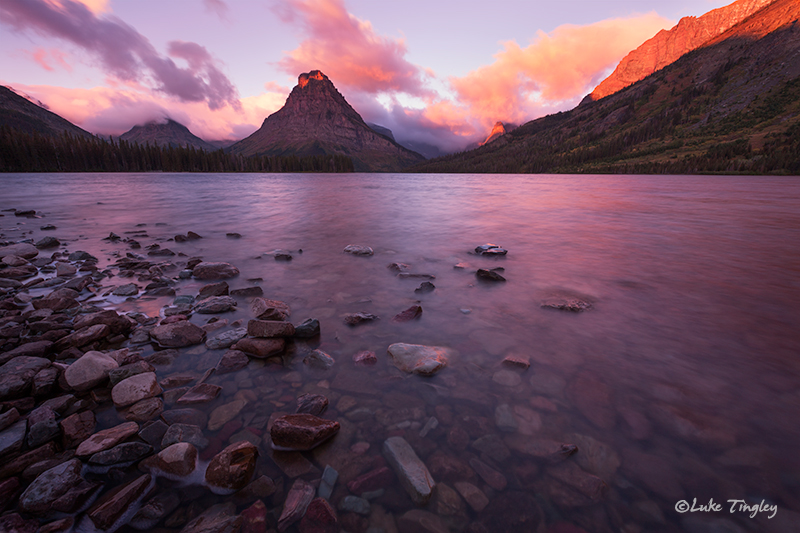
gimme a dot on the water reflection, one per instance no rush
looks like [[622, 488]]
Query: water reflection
[[680, 382]]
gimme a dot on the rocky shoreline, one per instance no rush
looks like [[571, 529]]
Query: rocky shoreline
[[188, 422]]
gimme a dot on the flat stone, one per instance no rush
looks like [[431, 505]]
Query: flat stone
[[261, 348], [232, 468], [12, 438], [513, 511], [412, 472], [413, 312], [16, 376], [231, 361], [24, 250], [210, 271], [489, 275], [376, 479], [153, 432], [184, 433], [107, 438], [266, 309], [490, 249], [191, 416], [114, 504], [216, 304], [309, 328], [247, 292], [155, 510], [313, 404], [121, 453], [492, 477], [129, 289], [296, 503], [590, 489], [50, 485], [178, 334], [270, 328], [118, 374], [573, 305], [8, 418], [176, 461], [77, 427], [200, 393], [474, 496], [420, 359], [224, 414], [226, 339], [220, 518], [145, 410], [319, 518], [357, 249], [29, 349], [301, 432], [214, 289], [135, 388]]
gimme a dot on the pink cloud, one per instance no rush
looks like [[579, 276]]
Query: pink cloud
[[218, 7], [45, 58], [555, 69], [115, 110], [348, 50], [124, 52]]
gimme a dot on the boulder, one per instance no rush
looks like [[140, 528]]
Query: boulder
[[145, 410], [50, 485], [24, 250], [178, 334], [301, 432], [232, 468], [210, 271], [489, 275], [135, 388], [412, 472], [420, 359], [16, 376], [265, 309], [89, 371]]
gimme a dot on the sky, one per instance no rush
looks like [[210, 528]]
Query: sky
[[440, 72]]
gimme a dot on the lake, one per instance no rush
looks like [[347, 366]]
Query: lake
[[681, 380]]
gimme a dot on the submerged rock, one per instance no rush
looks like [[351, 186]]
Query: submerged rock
[[353, 319], [574, 305], [309, 328], [178, 334], [297, 501], [301, 432], [232, 468], [415, 311], [356, 249], [489, 275], [419, 359], [412, 472]]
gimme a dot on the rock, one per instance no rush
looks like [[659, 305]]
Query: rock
[[176, 461], [507, 378], [215, 304], [474, 496], [595, 457], [582, 489], [224, 414], [47, 242], [309, 328], [135, 388], [354, 504], [520, 361], [365, 358], [593, 398], [119, 324], [214, 289], [490, 249], [419, 521], [12, 438], [129, 289], [261, 348], [420, 359], [254, 518], [77, 427], [29, 349], [185, 416], [107, 438], [121, 453], [84, 336], [247, 292], [220, 518], [356, 249], [265, 309], [574, 305], [131, 369], [200, 393], [16, 376], [18, 273], [313, 404], [155, 510], [50, 485], [301, 432], [184, 433], [90, 370], [270, 328], [14, 261], [415, 311], [327, 482], [24, 250], [231, 361], [8, 418], [354, 319], [412, 472], [371, 481], [212, 271], [489, 275], [318, 359], [178, 334], [226, 339], [514, 511], [232, 468], [319, 517], [145, 410], [297, 501], [493, 446]]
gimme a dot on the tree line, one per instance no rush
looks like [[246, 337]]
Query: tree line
[[35, 152]]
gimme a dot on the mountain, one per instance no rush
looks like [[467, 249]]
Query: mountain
[[386, 132], [667, 46], [25, 116], [317, 120], [498, 130], [732, 105], [169, 133]]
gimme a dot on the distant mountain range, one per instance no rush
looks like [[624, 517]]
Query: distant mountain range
[[730, 105], [317, 120], [169, 133], [23, 115]]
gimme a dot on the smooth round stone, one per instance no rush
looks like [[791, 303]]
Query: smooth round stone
[[507, 378], [89, 371], [177, 461], [357, 249], [224, 414], [232, 468], [301, 432], [135, 388], [419, 359]]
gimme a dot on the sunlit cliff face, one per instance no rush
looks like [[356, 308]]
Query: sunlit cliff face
[[302, 80]]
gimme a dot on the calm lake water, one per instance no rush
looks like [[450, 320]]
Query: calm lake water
[[682, 381]]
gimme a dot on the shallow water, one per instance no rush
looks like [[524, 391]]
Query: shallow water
[[680, 382]]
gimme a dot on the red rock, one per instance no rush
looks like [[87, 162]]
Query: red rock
[[320, 517], [265, 309], [232, 468], [254, 518], [77, 427], [301, 432], [106, 439], [492, 477], [200, 393], [297, 501], [313, 404], [212, 271], [415, 311], [177, 461], [372, 480], [261, 348], [178, 334], [365, 358], [269, 328]]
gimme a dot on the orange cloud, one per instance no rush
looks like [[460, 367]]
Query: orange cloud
[[45, 58], [95, 6], [556, 68], [114, 110], [348, 50]]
